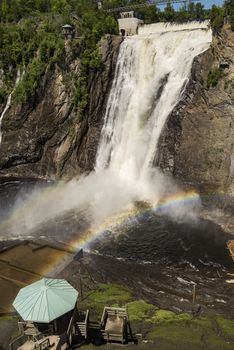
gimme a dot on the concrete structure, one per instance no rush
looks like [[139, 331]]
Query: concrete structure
[[129, 23], [99, 5]]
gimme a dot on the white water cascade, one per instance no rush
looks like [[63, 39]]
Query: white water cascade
[[152, 72], [8, 103]]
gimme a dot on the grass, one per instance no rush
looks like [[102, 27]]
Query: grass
[[181, 330], [105, 295], [227, 327], [213, 77], [166, 329], [139, 310]]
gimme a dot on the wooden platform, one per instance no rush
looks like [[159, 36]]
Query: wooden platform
[[114, 324], [24, 263], [230, 246], [50, 342]]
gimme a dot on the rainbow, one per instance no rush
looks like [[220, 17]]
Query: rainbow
[[168, 203], [117, 222]]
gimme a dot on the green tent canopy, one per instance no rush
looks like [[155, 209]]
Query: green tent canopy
[[45, 300]]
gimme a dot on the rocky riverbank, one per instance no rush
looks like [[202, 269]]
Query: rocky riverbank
[[158, 298]]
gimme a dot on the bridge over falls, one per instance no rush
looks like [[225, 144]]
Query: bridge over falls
[[135, 6]]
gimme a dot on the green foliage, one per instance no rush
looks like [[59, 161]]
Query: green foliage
[[30, 82], [169, 13], [33, 50], [216, 18], [30, 37], [166, 329], [105, 295], [213, 77], [229, 11], [140, 310], [109, 294], [163, 316], [227, 327], [93, 26]]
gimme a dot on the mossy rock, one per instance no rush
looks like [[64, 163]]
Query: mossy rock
[[227, 327], [105, 295], [140, 310], [162, 316], [181, 332]]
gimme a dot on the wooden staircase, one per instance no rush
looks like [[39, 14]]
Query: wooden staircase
[[83, 325]]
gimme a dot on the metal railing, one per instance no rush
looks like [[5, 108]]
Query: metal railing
[[146, 4]]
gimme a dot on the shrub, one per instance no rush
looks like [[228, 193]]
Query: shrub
[[213, 77]]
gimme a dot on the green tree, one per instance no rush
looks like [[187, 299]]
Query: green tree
[[216, 18], [229, 11], [199, 11], [169, 13], [4, 9]]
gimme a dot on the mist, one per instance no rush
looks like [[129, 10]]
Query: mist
[[152, 71]]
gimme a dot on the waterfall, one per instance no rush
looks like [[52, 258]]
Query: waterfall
[[8, 103], [152, 71]]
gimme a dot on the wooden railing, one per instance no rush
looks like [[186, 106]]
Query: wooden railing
[[18, 342], [62, 341], [70, 329], [118, 315], [83, 326], [45, 344]]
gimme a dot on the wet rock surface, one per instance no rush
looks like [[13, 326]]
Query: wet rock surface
[[197, 143], [44, 138], [168, 287]]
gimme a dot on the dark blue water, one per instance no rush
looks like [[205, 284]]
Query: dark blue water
[[148, 238], [156, 238]]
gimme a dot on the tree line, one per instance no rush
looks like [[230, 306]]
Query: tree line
[[31, 37], [14, 10]]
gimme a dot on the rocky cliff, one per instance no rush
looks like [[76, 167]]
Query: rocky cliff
[[197, 145], [44, 138]]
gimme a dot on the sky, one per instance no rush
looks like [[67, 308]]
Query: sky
[[206, 3], [209, 3]]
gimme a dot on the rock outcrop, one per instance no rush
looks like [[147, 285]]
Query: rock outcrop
[[197, 145], [44, 138]]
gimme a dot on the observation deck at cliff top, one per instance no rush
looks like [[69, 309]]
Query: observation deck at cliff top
[[146, 4]]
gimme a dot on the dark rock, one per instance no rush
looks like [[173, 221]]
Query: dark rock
[[196, 145], [43, 138]]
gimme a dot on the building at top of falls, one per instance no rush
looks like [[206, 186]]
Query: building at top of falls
[[129, 22]]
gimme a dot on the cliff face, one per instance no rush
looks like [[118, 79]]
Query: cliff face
[[44, 138], [197, 145]]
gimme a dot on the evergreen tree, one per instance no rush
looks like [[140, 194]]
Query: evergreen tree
[[169, 13], [4, 9], [216, 18]]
